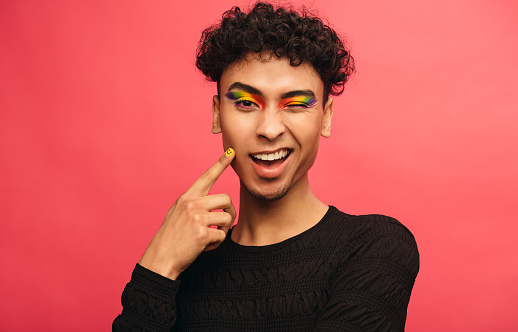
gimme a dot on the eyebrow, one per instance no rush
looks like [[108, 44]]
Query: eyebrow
[[245, 88], [296, 93], [255, 91]]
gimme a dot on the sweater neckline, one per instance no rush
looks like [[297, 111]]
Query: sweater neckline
[[279, 245]]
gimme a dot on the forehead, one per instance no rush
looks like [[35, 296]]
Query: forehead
[[272, 75]]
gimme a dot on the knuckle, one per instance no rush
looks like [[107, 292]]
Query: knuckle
[[183, 203], [207, 175], [198, 218], [201, 234], [222, 159], [227, 198], [190, 206], [228, 218]]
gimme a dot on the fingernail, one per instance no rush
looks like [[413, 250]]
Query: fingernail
[[229, 152]]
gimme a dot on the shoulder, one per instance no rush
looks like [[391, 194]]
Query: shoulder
[[376, 263], [367, 226], [374, 236]]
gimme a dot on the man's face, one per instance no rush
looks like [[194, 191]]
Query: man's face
[[267, 110]]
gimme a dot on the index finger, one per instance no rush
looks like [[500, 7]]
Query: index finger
[[207, 180]]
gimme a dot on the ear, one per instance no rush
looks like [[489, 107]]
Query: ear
[[216, 121], [326, 121]]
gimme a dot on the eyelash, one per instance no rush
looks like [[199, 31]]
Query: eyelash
[[239, 103], [248, 103], [295, 104]]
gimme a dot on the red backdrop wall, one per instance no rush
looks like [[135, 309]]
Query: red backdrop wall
[[104, 121]]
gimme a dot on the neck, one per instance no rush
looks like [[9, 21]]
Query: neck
[[268, 222]]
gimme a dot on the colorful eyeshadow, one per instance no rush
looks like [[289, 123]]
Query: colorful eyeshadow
[[298, 101], [240, 95]]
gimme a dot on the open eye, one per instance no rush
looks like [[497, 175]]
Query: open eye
[[246, 104], [245, 101]]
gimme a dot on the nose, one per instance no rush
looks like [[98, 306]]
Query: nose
[[271, 124]]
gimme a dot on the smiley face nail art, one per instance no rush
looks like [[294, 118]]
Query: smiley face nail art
[[229, 152]]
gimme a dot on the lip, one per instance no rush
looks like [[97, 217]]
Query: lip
[[269, 172], [271, 151]]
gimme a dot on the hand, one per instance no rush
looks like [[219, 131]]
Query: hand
[[186, 230]]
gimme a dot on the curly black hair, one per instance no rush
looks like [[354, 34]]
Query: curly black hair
[[283, 33]]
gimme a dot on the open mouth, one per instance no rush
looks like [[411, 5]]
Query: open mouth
[[271, 160]]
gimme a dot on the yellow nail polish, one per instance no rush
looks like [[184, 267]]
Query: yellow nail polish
[[229, 152]]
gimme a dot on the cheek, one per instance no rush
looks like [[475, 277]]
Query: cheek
[[235, 129], [305, 129]]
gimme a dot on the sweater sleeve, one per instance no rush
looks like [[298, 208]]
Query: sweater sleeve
[[148, 302], [372, 287]]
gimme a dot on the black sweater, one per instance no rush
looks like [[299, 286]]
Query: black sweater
[[347, 273]]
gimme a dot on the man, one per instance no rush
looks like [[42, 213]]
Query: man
[[291, 263]]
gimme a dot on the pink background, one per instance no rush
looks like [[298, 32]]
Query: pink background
[[104, 121]]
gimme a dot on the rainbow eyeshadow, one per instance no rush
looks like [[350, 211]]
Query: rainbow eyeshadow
[[240, 95], [298, 101]]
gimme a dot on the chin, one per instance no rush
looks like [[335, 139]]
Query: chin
[[269, 196]]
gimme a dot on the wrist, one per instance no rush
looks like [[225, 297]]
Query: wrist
[[162, 267]]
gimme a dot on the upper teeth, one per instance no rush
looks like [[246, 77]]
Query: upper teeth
[[272, 156]]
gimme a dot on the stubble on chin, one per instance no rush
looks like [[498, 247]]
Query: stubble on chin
[[270, 197]]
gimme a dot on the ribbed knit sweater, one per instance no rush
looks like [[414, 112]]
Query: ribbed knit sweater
[[346, 273]]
